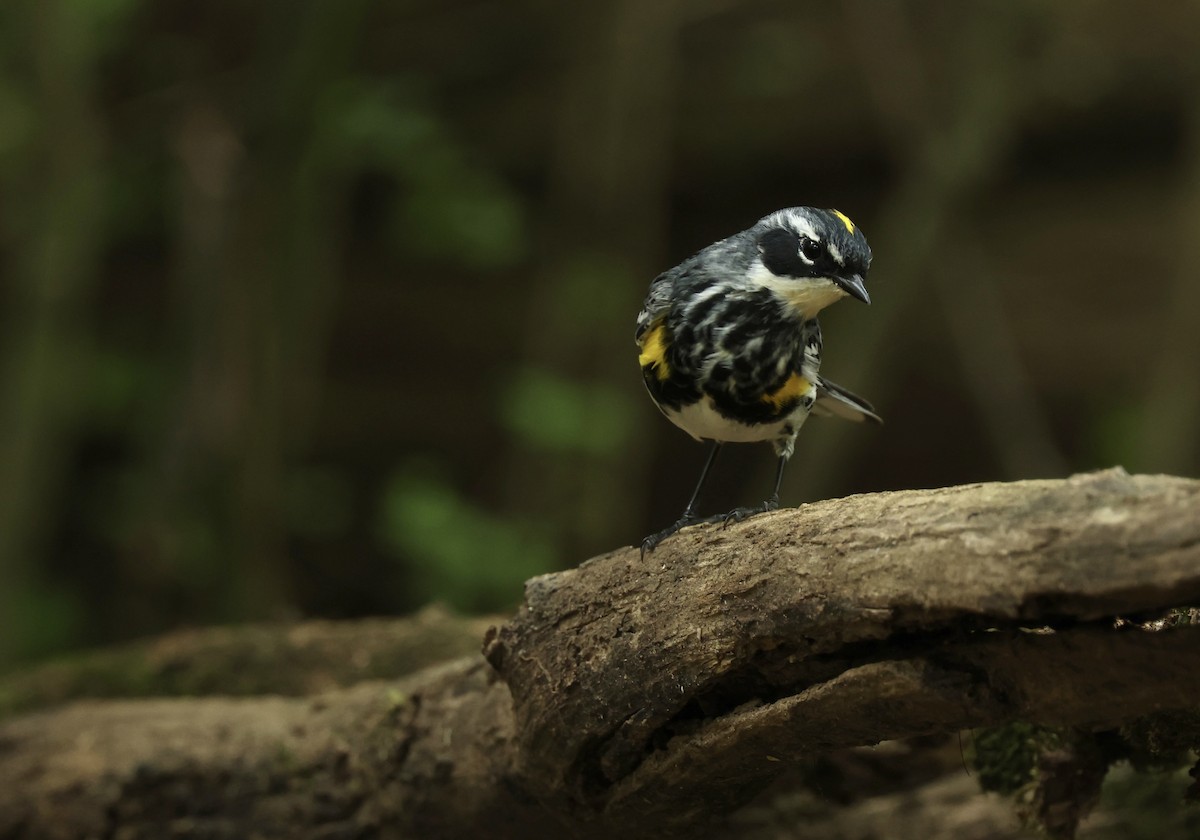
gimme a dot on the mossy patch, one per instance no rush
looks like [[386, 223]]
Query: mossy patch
[[1053, 775]]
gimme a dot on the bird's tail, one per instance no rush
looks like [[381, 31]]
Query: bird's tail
[[835, 401]]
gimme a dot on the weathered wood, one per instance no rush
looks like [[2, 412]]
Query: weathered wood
[[249, 659], [670, 685], [654, 696], [420, 757]]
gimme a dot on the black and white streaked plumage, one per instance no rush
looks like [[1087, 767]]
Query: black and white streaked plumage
[[730, 344]]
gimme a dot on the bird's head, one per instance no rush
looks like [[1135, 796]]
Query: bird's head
[[811, 257]]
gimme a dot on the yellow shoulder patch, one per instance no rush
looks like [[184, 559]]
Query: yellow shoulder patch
[[795, 388], [845, 219], [654, 352]]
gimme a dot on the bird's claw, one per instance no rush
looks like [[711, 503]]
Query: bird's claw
[[651, 542], [736, 515], [743, 513]]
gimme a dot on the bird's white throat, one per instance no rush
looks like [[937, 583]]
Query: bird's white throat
[[809, 295]]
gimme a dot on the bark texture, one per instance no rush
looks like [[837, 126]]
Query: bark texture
[[654, 695], [291, 659]]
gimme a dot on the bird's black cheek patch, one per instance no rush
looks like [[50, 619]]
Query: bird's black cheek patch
[[781, 253]]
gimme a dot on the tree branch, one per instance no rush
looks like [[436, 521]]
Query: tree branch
[[654, 696], [848, 622]]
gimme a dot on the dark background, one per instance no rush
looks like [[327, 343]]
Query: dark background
[[326, 308]]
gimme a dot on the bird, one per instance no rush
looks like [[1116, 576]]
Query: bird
[[729, 343]]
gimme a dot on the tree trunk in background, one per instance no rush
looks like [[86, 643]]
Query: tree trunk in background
[[45, 338], [1171, 409], [606, 223]]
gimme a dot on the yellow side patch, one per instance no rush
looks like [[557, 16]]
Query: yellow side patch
[[845, 219], [795, 387], [654, 352]]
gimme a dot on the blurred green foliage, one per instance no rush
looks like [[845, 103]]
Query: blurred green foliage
[[1144, 806], [1056, 776], [555, 414], [452, 208], [318, 308], [457, 553]]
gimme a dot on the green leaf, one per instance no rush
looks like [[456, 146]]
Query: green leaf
[[459, 553], [556, 414]]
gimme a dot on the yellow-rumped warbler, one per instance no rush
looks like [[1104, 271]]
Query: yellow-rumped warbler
[[730, 344]]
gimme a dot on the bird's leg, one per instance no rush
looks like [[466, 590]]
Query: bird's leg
[[742, 513], [689, 512]]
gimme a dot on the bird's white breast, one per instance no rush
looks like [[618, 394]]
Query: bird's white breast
[[702, 421]]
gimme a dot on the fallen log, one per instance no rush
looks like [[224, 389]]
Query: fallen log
[[655, 695]]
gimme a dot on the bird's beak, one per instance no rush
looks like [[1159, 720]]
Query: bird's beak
[[855, 286]]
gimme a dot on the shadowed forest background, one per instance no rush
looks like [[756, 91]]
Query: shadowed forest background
[[326, 309]]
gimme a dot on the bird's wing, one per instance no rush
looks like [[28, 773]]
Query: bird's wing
[[835, 401], [658, 301], [716, 262]]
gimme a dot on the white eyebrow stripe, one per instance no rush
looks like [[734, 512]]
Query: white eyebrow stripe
[[788, 219], [836, 253]]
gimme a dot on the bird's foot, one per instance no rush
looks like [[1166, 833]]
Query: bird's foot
[[743, 513], [651, 542], [736, 515]]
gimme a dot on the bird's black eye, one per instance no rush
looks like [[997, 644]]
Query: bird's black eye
[[811, 248]]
